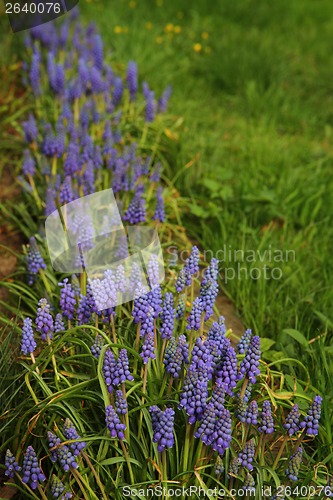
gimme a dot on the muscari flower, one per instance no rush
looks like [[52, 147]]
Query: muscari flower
[[164, 99], [34, 73], [201, 357], [148, 348], [11, 465], [244, 341], [249, 483], [176, 353], [141, 305], [252, 413], [122, 371], [97, 346], [292, 421], [167, 317], [294, 465], [208, 293], [62, 453], [109, 368], [70, 433], [136, 211], [31, 473], [181, 280], [246, 456], [29, 164], [194, 394], [241, 409], [311, 421], [59, 325], [222, 432], [97, 52], [150, 107], [265, 421], [163, 422], [181, 306], [233, 467], [67, 299], [226, 370], [113, 423], [132, 79], [219, 467], [192, 263], [44, 320], [250, 363], [194, 319], [159, 210], [30, 129], [121, 403], [57, 489], [117, 91], [28, 343], [34, 260]]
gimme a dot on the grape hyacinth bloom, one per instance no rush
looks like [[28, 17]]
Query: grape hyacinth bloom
[[233, 467], [122, 371], [194, 394], [181, 280], [121, 403], [97, 346], [113, 423], [34, 74], [136, 211], [163, 422], [167, 317], [62, 453], [109, 368], [117, 91], [208, 293], [141, 306], [54, 442], [222, 432], [66, 194], [294, 465], [11, 465], [150, 107], [192, 263], [292, 421], [219, 467], [30, 129], [176, 353], [201, 357], [252, 413], [159, 210], [266, 422], [207, 427], [70, 433], [67, 299], [194, 319], [249, 365], [181, 306], [44, 320], [244, 341], [29, 164], [241, 409], [246, 456], [97, 52], [59, 325], [28, 344], [148, 348], [218, 397], [249, 484], [164, 99], [34, 260], [132, 79], [57, 489], [227, 368], [311, 421], [31, 473]]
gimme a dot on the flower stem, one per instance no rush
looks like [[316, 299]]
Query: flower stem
[[33, 359], [128, 462], [187, 446], [98, 481], [56, 374], [246, 380], [136, 347], [144, 387], [127, 431], [278, 456], [162, 350]]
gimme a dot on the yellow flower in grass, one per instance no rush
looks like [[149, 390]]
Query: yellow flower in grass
[[204, 35], [148, 25], [208, 50], [132, 4], [159, 39], [169, 28], [118, 29], [197, 47], [177, 29]]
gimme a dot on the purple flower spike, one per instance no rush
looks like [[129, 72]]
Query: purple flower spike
[[292, 421], [159, 210], [176, 353], [164, 99], [246, 456], [121, 403], [122, 371], [136, 211], [244, 341], [167, 317], [201, 357], [181, 306], [194, 394], [162, 423], [57, 489], [194, 319], [294, 465], [35, 260], [44, 320], [67, 299], [141, 305], [31, 473], [109, 368], [148, 348], [132, 79], [11, 465], [30, 129], [226, 370], [97, 346], [252, 413], [150, 106], [97, 51], [113, 423], [192, 263], [219, 467], [241, 409], [28, 344], [59, 325], [181, 280], [222, 432], [311, 421], [266, 422], [29, 164], [249, 366], [71, 433], [249, 484]]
